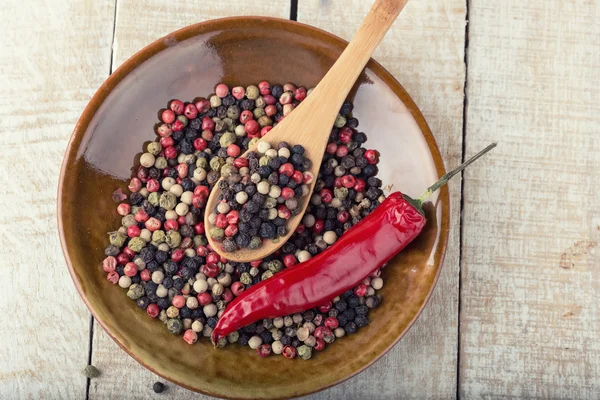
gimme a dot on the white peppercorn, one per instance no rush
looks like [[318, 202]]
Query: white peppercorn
[[197, 326], [147, 160], [192, 303], [125, 281], [224, 279], [274, 191], [303, 256], [297, 318], [339, 332], [217, 289], [263, 146], [377, 283], [278, 322], [210, 310], [254, 342], [181, 209], [330, 237], [263, 187], [310, 341], [187, 323], [277, 347], [288, 321], [158, 277], [241, 197], [161, 291]]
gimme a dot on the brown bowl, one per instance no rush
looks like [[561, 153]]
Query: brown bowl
[[120, 118]]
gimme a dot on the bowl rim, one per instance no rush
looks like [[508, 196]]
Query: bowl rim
[[197, 29]]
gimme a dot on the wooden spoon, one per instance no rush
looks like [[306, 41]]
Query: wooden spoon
[[310, 123]]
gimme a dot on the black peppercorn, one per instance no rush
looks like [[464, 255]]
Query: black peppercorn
[[111, 250], [266, 337], [178, 283], [158, 387], [167, 282], [352, 301], [285, 340], [350, 328], [341, 305], [163, 303], [143, 302]]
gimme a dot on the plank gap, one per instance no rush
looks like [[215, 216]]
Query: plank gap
[[90, 348], [112, 43], [462, 198], [294, 10]]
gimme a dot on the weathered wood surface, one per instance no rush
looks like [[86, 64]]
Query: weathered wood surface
[[426, 55], [531, 265], [54, 57]]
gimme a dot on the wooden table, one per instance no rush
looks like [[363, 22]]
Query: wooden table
[[515, 312]]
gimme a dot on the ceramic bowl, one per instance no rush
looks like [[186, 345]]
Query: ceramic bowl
[[111, 134]]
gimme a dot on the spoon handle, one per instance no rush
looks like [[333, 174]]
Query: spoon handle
[[339, 80]]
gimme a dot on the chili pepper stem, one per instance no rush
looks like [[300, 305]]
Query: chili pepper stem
[[444, 179]]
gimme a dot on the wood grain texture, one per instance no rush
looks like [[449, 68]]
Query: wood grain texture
[[136, 26], [531, 266], [55, 55], [424, 50]]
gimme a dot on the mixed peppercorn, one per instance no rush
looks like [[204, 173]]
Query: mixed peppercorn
[[161, 256]]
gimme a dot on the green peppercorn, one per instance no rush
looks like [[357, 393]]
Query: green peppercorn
[[183, 119], [163, 317], [255, 243], [264, 121], [228, 170], [233, 112], [212, 177], [161, 163], [216, 163], [167, 200], [200, 240], [253, 142], [275, 266], [229, 125], [215, 101], [304, 352], [117, 238], [233, 337], [340, 193], [252, 92], [137, 244], [340, 121], [173, 239], [174, 326], [258, 112], [135, 209], [266, 275], [270, 203], [227, 139], [202, 162], [260, 102], [217, 233], [128, 220], [91, 372], [246, 278], [135, 291], [154, 148], [153, 198], [158, 237], [264, 160], [219, 125]]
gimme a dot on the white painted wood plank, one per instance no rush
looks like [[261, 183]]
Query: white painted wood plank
[[55, 55], [139, 24], [530, 291], [424, 50]]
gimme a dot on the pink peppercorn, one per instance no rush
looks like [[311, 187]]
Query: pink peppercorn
[[223, 260], [322, 331], [301, 228], [300, 93], [221, 221], [233, 216], [348, 181], [319, 226], [287, 169], [372, 156], [182, 170], [201, 251], [320, 345], [153, 224], [265, 130], [177, 107], [298, 176], [326, 195], [109, 264], [208, 124], [233, 150], [200, 144], [204, 298], [343, 216], [171, 152], [129, 252], [289, 260], [221, 90], [308, 177], [360, 185], [141, 216], [231, 230], [168, 116], [166, 142], [238, 92], [145, 275], [289, 87], [270, 110], [199, 228], [345, 135], [212, 258], [152, 310], [338, 182], [202, 105], [237, 288], [198, 201], [287, 193], [164, 130], [130, 269], [360, 290], [123, 258], [331, 322], [190, 111], [113, 277], [123, 209], [201, 191], [152, 185], [134, 185], [256, 263], [240, 162], [270, 100], [264, 87], [190, 336], [283, 212], [178, 301], [331, 148], [264, 350], [177, 126], [252, 127], [227, 295], [246, 116], [133, 231], [177, 254], [289, 352], [171, 225], [342, 151], [210, 270]]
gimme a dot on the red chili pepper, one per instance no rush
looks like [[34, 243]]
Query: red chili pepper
[[364, 248]]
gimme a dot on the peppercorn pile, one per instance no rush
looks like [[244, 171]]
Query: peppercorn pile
[[266, 192], [161, 256]]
